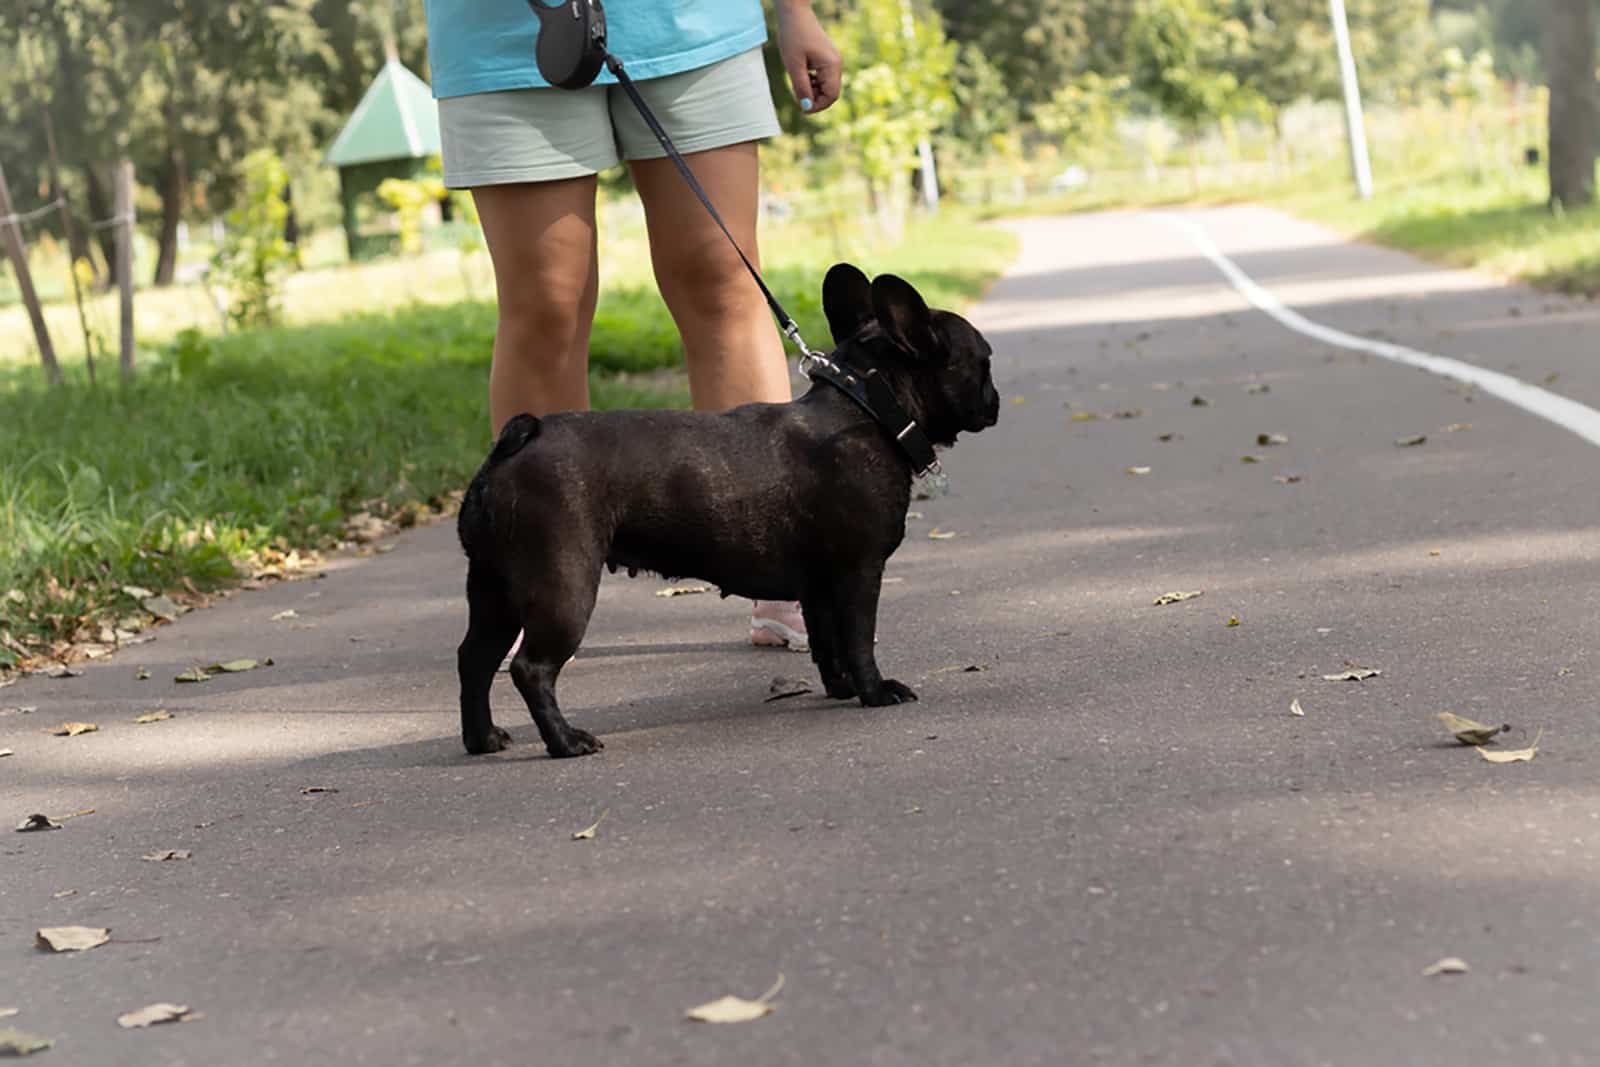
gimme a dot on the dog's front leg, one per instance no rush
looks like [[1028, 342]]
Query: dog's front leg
[[855, 608], [822, 630]]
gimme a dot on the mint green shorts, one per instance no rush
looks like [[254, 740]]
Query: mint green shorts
[[540, 135]]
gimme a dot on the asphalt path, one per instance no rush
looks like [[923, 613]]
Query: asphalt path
[[1114, 843]]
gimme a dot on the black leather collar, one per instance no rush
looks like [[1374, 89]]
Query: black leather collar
[[873, 395]]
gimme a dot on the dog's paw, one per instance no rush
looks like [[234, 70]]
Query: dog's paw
[[840, 688], [888, 692], [575, 742], [495, 740]]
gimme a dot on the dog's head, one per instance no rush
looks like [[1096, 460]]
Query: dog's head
[[938, 357]]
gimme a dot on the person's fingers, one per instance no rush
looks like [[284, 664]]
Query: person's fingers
[[797, 65], [825, 81]]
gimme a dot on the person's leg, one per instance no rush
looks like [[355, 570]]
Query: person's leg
[[734, 351], [541, 238]]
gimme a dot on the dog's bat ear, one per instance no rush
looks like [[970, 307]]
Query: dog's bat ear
[[903, 313], [847, 301]]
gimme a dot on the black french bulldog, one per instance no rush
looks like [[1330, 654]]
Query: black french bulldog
[[800, 501]]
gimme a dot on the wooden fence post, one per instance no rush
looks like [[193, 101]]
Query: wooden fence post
[[123, 213], [11, 230]]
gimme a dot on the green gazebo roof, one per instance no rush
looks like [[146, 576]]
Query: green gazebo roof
[[396, 119]]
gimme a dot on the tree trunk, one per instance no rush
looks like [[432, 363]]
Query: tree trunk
[[124, 246], [172, 193], [100, 213], [11, 231], [1569, 62]]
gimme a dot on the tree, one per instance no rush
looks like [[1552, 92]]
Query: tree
[[1036, 45], [1178, 53], [1569, 63]]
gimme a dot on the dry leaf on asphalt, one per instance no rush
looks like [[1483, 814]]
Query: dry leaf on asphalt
[[937, 534], [1288, 479], [1128, 413], [1448, 965], [61, 670], [1412, 442], [237, 666], [73, 729], [6, 1013], [1469, 732], [193, 674], [1233, 620], [1515, 755], [781, 688], [167, 854], [731, 1009], [1200, 402], [1265, 439], [71, 938], [1457, 427], [1138, 470], [312, 790], [1296, 709], [36, 822], [162, 607], [683, 590], [288, 613], [1256, 388], [587, 833], [1250, 459], [156, 1013], [14, 1042], [148, 717], [1358, 674], [4, 752], [1176, 598], [1085, 416]]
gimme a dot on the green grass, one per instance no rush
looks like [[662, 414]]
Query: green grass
[[225, 450]]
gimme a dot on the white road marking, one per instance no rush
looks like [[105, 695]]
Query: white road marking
[[1568, 414]]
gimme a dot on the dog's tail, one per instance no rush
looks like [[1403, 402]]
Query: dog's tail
[[476, 520]]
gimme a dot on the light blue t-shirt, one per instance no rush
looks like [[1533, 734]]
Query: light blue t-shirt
[[484, 46]]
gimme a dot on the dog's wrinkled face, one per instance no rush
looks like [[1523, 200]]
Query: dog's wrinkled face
[[943, 358]]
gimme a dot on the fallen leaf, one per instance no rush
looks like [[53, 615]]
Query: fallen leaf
[[63, 893], [158, 715], [71, 938], [781, 688], [14, 1042], [1138, 470], [73, 729], [1435, 552], [1256, 388], [1288, 479], [587, 833], [1165, 436], [4, 752], [1176, 598], [1085, 416], [138, 592], [1199, 402], [683, 590], [1550, 379], [141, 675], [61, 670], [156, 1013], [731, 1009], [914, 515], [234, 666], [193, 674], [162, 607], [1515, 755], [1128, 413], [37, 822], [1019, 400], [1359, 674], [1265, 439], [1412, 442], [1448, 965], [1468, 732], [312, 790], [288, 613], [6, 1013], [1296, 709], [77, 814], [1457, 427], [167, 854], [1250, 459], [1233, 620], [937, 534]]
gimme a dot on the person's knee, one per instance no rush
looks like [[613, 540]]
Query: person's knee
[[545, 315], [712, 286]]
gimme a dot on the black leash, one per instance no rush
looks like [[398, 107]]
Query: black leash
[[571, 50]]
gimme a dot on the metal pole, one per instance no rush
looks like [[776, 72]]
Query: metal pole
[[930, 176], [1360, 163]]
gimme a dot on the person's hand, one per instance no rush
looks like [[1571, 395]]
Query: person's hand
[[808, 55]]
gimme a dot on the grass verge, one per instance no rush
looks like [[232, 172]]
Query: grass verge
[[229, 453]]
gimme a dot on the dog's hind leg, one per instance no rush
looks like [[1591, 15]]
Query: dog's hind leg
[[553, 622], [492, 627]]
